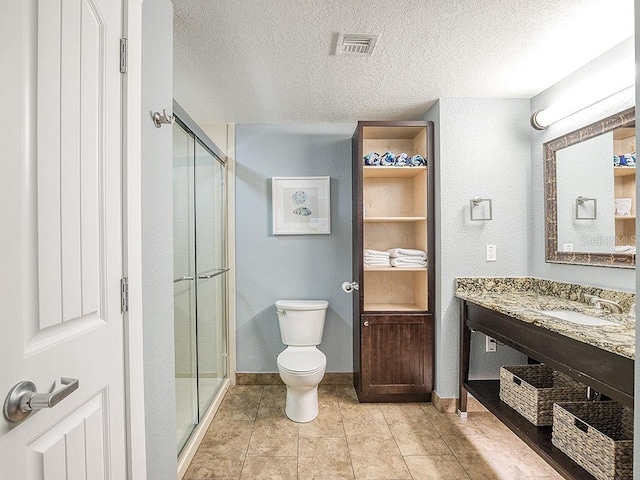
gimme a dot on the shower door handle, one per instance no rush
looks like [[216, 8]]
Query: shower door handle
[[182, 279], [214, 274]]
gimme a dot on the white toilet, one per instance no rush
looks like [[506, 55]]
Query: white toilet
[[301, 365]]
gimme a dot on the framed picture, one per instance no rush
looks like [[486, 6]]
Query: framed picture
[[301, 205]]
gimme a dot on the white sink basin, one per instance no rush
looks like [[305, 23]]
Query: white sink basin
[[576, 317]]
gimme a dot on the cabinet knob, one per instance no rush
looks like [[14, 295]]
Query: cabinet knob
[[366, 324]]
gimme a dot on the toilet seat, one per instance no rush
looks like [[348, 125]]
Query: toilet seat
[[301, 360]]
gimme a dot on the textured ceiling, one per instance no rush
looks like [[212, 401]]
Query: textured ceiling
[[269, 61]]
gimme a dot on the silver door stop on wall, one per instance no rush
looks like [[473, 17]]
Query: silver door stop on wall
[[163, 119]]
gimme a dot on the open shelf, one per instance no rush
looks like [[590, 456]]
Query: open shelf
[[623, 171], [624, 181], [395, 269], [393, 219], [392, 172], [487, 392], [397, 288], [392, 307]]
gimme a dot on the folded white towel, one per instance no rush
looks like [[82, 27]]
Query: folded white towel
[[381, 263], [407, 252], [625, 249], [407, 262], [376, 258], [376, 253]]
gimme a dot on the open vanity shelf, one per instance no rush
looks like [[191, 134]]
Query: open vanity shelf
[[393, 325], [538, 438], [606, 372]]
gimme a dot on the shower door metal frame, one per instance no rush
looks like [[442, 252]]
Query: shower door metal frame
[[190, 127]]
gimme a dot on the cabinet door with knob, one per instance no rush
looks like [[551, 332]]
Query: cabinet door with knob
[[397, 358], [393, 219]]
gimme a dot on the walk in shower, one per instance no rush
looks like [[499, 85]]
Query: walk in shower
[[200, 276]]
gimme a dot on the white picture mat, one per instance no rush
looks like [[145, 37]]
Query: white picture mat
[[301, 205]]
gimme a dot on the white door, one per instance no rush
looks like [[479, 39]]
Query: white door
[[61, 240]]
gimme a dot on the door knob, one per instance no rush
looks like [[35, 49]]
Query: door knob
[[350, 286], [23, 398]]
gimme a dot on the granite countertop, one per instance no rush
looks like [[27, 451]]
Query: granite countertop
[[520, 298]]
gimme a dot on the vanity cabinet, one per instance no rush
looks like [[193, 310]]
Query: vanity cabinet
[[604, 371], [392, 208]]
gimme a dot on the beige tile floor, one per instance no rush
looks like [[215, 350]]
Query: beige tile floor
[[250, 438]]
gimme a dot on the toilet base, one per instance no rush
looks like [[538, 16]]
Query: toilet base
[[302, 404]]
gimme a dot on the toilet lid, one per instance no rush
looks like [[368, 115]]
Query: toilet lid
[[303, 359], [302, 304]]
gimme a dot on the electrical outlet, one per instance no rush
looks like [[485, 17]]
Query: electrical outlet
[[491, 345], [491, 253], [567, 247]]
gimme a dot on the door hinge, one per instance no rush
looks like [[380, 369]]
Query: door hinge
[[123, 55], [124, 295]]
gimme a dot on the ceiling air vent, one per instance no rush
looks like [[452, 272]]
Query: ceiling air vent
[[356, 44]]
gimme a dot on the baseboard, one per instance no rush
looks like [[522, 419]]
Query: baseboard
[[274, 379], [448, 405], [258, 379], [443, 405]]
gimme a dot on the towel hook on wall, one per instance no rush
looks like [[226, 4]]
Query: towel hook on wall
[[163, 119]]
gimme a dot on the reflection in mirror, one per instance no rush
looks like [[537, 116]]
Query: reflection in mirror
[[590, 181]]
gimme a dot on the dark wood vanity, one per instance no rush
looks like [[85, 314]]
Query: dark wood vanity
[[604, 371]]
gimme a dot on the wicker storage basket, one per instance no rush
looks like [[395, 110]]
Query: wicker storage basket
[[598, 436], [531, 390]]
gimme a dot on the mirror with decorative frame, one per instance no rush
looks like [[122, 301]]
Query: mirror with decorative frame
[[589, 191]]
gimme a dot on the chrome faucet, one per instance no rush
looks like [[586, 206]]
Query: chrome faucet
[[600, 303]]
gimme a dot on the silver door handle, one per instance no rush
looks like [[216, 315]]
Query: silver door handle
[[23, 398], [214, 274], [182, 279]]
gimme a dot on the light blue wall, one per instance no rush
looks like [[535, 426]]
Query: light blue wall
[[268, 267], [482, 149], [157, 243]]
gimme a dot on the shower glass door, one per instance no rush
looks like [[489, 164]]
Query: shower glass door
[[211, 278], [184, 286], [200, 279]]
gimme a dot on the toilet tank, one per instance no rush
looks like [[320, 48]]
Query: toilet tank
[[301, 321]]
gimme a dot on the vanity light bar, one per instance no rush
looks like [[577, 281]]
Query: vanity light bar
[[585, 95]]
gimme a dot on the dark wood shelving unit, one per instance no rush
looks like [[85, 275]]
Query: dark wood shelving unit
[[393, 324], [487, 392]]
